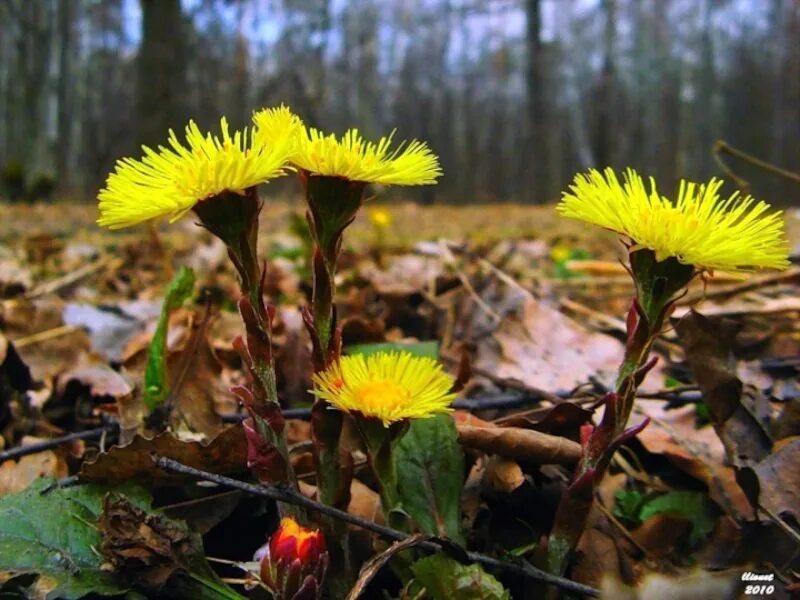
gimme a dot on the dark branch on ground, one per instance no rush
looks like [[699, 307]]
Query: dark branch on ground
[[291, 496]]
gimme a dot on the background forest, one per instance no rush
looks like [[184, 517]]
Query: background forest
[[514, 95]]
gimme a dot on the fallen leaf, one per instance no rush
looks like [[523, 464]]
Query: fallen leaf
[[545, 349], [503, 476], [148, 549], [741, 420], [226, 453], [697, 452], [521, 444], [15, 476], [774, 483], [564, 419], [661, 533]]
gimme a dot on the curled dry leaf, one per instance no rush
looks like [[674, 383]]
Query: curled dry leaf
[[148, 548], [521, 444], [226, 453]]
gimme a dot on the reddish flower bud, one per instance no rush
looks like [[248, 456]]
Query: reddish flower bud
[[294, 562]]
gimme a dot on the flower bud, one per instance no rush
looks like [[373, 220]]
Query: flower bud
[[294, 562]]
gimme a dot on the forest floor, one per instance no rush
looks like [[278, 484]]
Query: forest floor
[[537, 302]]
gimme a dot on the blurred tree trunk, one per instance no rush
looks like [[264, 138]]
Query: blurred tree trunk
[[63, 145], [162, 68], [604, 138], [536, 147]]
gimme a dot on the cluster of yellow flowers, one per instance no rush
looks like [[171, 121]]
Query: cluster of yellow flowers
[[169, 181], [697, 228]]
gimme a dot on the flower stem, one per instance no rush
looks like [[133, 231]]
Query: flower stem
[[233, 218], [657, 285]]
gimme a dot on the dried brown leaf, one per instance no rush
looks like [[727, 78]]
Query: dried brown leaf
[[15, 476], [520, 444], [226, 453]]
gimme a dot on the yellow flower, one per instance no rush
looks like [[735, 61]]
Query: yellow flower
[[560, 253], [169, 181], [698, 228], [351, 157], [389, 386], [380, 218], [276, 125]]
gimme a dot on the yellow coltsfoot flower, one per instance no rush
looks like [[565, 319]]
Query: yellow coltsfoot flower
[[351, 157], [387, 386], [380, 218], [170, 181], [698, 228]]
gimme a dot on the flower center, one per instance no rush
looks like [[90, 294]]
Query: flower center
[[381, 396]]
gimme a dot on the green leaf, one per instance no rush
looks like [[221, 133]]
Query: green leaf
[[430, 475], [58, 537], [445, 579], [156, 387], [429, 349], [627, 505], [54, 536], [693, 506]]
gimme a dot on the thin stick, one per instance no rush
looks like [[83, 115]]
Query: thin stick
[[722, 147], [46, 335], [748, 285], [290, 496], [72, 278], [20, 451]]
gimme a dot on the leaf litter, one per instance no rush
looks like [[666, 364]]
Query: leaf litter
[[709, 483]]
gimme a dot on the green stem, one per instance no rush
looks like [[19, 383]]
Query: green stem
[[657, 284]]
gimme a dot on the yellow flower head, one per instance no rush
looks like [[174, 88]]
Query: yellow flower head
[[698, 228], [352, 157], [169, 181], [390, 386], [277, 125], [380, 218]]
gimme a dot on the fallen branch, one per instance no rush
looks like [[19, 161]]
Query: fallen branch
[[290, 496], [55, 442]]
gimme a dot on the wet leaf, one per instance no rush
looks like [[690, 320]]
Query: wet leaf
[[430, 470]]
